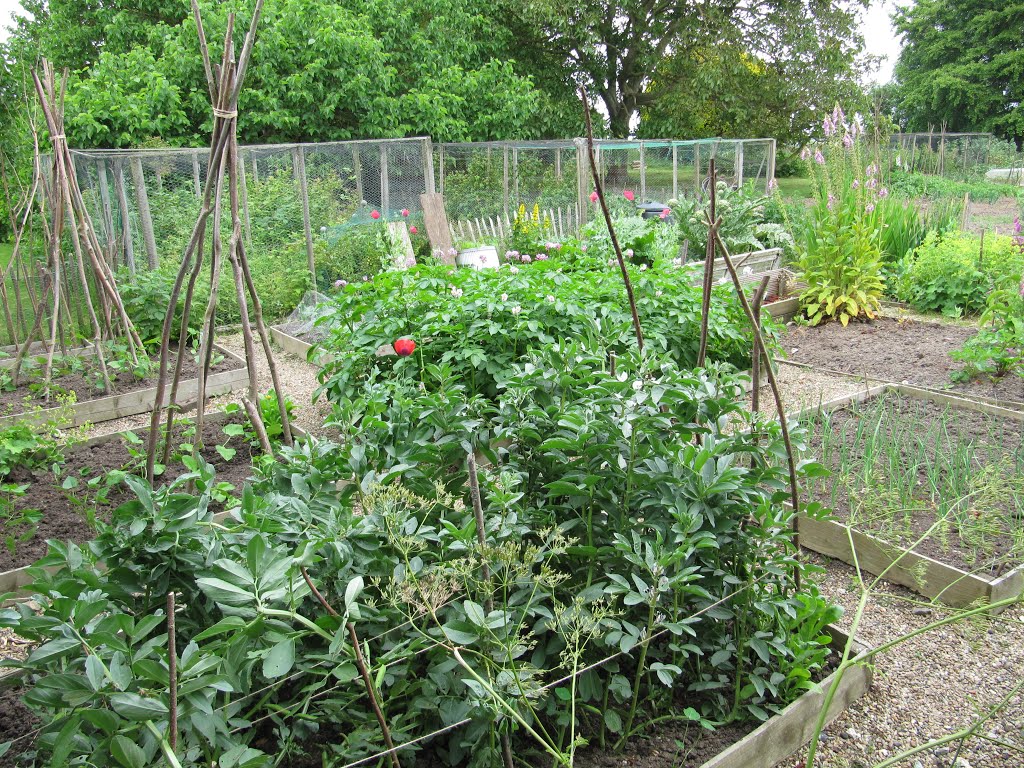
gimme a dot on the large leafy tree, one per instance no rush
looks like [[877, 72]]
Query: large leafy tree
[[962, 66], [620, 49]]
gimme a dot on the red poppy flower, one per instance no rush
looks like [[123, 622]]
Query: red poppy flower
[[413, 230], [375, 214], [405, 212], [628, 194], [404, 347], [593, 196]]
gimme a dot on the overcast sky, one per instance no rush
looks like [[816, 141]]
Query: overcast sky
[[877, 30]]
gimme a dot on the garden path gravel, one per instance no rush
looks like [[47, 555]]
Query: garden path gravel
[[928, 687], [298, 378]]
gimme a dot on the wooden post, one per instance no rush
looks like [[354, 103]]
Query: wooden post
[[299, 162], [126, 223], [696, 165], [255, 171], [357, 169], [145, 218], [108, 214], [440, 169], [643, 172], [504, 182], [771, 161], [428, 165], [738, 163], [582, 182], [558, 163], [244, 199], [400, 234], [436, 222], [196, 181], [385, 182], [675, 171], [515, 176]]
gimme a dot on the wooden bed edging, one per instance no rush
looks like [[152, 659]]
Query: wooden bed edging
[[922, 574], [139, 401], [783, 734]]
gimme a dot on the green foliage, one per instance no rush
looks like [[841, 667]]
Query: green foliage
[[997, 348], [904, 225], [481, 322], [960, 66], [918, 185], [353, 252], [953, 274], [32, 445], [470, 186], [750, 221]]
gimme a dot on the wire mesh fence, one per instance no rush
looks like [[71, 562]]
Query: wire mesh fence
[[953, 155], [493, 179]]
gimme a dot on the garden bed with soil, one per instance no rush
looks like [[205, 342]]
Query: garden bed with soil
[[912, 470], [128, 396], [900, 351], [67, 512]]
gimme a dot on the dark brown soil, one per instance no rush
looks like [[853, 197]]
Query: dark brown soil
[[65, 512], [86, 387], [925, 428], [16, 720], [905, 352], [670, 747]]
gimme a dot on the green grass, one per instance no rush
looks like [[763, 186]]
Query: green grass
[[6, 250], [795, 187]]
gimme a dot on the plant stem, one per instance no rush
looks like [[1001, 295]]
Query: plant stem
[[639, 673]]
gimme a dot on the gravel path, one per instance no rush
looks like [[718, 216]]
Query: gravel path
[[298, 378], [930, 686]]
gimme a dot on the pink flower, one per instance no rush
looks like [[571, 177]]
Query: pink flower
[[405, 212], [413, 230], [525, 258], [827, 126], [628, 253], [665, 213], [1016, 225], [593, 196], [847, 141], [871, 183], [869, 207], [805, 153], [541, 257], [773, 184], [871, 170], [831, 200], [628, 194], [818, 157], [583, 248], [883, 192], [340, 283], [855, 184], [374, 215]]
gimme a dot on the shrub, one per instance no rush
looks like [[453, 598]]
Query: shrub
[[953, 275], [480, 322], [917, 185]]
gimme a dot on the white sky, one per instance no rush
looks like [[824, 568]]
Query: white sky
[[877, 29]]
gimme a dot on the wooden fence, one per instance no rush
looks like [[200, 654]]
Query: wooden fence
[[559, 223]]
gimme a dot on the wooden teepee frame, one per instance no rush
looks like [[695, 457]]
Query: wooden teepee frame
[[223, 166]]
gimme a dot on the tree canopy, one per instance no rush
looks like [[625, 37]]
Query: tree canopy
[[962, 66]]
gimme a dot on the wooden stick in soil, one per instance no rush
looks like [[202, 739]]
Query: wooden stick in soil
[[755, 357], [371, 689], [485, 572], [172, 672], [599, 188], [776, 393], [709, 269]]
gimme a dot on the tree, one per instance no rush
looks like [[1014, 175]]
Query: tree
[[618, 49], [962, 66]]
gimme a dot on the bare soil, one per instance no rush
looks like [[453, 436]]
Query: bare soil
[[937, 430], [892, 350], [66, 512], [88, 387], [16, 720]]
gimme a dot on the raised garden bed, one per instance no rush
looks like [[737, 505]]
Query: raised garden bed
[[67, 512], [746, 746], [130, 396], [903, 458], [898, 351]]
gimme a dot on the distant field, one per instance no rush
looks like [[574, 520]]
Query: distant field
[[796, 187]]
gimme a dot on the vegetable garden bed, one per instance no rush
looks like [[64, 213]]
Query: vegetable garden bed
[[898, 351], [131, 396], [938, 475], [89, 487]]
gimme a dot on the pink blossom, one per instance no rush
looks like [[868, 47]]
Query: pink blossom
[[628, 194], [1016, 225], [410, 261], [413, 230], [628, 253], [541, 257], [805, 153], [666, 213], [375, 214], [405, 212], [583, 248], [525, 258], [340, 283], [847, 141], [593, 196], [855, 184], [871, 183], [828, 126], [831, 200], [883, 192], [818, 157], [871, 170], [773, 184], [870, 207]]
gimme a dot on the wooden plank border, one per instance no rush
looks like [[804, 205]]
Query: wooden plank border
[[141, 400], [783, 734], [924, 575]]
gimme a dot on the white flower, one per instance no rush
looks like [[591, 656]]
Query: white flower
[[643, 267], [637, 385], [551, 298], [504, 297], [514, 270], [658, 294], [516, 309], [456, 292], [628, 253]]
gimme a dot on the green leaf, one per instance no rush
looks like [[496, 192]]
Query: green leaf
[[127, 752], [136, 707], [53, 650], [612, 721], [352, 591], [280, 660], [474, 612], [226, 453]]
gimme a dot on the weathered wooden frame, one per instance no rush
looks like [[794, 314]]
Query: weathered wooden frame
[[922, 574], [138, 401], [783, 734]]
